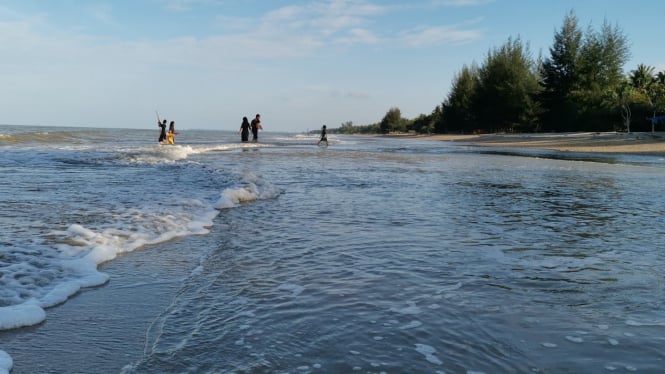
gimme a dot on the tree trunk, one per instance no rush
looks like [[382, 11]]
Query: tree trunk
[[626, 114]]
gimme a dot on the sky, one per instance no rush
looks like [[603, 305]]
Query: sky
[[301, 64]]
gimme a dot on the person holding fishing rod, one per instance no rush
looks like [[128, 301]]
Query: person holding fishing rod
[[162, 124]]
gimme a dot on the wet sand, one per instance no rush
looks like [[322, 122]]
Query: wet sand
[[588, 142], [103, 329]]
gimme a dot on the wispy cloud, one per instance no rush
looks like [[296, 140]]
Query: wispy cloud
[[322, 19], [358, 36], [424, 36], [283, 33], [299, 30]]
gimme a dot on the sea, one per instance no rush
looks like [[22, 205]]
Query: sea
[[374, 254]]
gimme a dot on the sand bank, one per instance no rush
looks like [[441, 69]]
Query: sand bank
[[591, 142]]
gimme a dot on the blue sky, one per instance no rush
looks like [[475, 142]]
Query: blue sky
[[301, 64]]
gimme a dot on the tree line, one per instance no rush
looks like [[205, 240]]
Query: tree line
[[579, 87]]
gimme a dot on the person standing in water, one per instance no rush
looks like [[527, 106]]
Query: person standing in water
[[162, 134], [244, 130], [324, 136], [170, 136], [256, 126]]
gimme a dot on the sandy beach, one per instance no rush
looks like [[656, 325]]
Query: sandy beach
[[589, 142]]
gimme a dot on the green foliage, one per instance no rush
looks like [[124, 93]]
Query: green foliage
[[457, 113], [643, 77], [393, 122], [349, 128], [559, 75], [506, 89], [580, 86]]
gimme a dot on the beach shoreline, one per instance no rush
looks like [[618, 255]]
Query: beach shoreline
[[103, 329], [584, 142]]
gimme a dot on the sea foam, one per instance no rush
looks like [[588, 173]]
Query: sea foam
[[26, 314], [6, 363]]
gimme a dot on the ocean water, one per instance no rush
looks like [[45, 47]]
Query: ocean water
[[372, 255]]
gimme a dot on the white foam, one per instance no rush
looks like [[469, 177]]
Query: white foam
[[429, 353], [6, 362], [26, 314], [60, 294], [60, 270], [72, 264], [234, 197], [574, 339], [632, 322], [161, 154]]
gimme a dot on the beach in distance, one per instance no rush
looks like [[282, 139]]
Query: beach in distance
[[586, 142]]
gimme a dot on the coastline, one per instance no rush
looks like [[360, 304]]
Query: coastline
[[103, 329], [585, 142]]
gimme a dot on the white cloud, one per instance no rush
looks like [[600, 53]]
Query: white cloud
[[74, 76], [358, 36], [424, 36]]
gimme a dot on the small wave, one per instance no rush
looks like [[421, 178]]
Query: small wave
[[159, 154], [254, 189], [635, 323], [80, 250], [69, 265]]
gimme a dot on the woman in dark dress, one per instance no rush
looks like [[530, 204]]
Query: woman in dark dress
[[162, 134], [244, 130]]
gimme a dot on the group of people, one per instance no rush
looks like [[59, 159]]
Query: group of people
[[168, 137], [164, 136], [254, 127]]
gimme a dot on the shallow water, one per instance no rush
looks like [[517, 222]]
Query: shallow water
[[371, 255]]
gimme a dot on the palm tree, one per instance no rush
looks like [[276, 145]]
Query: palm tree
[[660, 77], [642, 77]]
